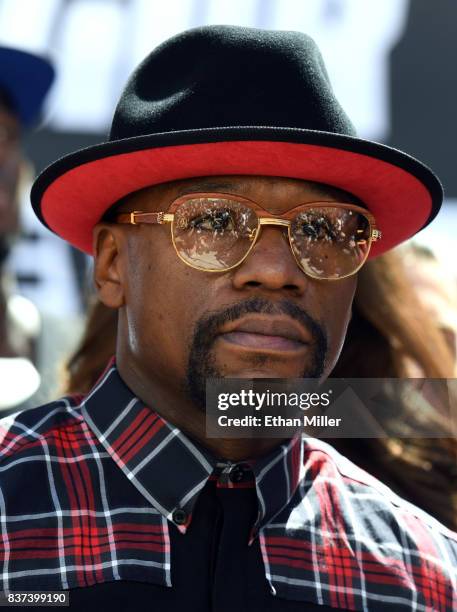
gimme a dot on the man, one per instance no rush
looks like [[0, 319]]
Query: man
[[25, 80], [229, 136]]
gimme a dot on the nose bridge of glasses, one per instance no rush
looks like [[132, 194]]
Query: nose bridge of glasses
[[255, 232], [272, 251], [261, 232], [274, 221]]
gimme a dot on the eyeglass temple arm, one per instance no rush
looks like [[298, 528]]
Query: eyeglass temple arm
[[133, 218]]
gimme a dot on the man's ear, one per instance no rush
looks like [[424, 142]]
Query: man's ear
[[108, 276]]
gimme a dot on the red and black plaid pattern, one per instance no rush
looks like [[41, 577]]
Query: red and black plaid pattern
[[347, 541], [88, 487]]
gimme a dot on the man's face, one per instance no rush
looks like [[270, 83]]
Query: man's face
[[10, 159], [264, 318]]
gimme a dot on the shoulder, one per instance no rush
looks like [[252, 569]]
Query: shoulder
[[361, 495], [25, 431], [344, 527]]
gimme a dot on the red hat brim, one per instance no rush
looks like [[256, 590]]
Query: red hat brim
[[73, 194]]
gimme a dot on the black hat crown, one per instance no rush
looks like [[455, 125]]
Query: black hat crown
[[230, 76]]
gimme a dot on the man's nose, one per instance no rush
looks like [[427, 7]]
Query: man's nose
[[271, 264]]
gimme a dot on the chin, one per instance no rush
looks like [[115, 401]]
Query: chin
[[236, 362]]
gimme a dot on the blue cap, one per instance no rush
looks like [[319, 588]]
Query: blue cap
[[26, 79]]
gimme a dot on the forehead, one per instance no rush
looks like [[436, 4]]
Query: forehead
[[269, 190]]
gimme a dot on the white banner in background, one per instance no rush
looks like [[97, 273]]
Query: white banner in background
[[96, 44]]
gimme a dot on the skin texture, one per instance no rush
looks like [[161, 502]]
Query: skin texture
[[170, 315]]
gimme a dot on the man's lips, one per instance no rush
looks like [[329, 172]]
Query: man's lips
[[266, 333]]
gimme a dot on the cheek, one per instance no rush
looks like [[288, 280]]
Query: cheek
[[337, 313], [164, 299]]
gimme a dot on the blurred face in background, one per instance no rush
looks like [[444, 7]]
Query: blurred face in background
[[10, 163]]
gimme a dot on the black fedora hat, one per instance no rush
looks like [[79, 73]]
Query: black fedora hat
[[230, 100]]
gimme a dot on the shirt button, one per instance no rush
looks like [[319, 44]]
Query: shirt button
[[237, 473], [179, 517]]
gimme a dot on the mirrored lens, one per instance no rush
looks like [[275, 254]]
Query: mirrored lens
[[213, 233], [330, 242]]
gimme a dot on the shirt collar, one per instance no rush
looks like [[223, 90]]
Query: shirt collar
[[167, 467]]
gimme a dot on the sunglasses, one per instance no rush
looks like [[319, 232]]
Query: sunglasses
[[215, 232]]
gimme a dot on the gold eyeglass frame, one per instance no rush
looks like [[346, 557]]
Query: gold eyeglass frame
[[138, 217]]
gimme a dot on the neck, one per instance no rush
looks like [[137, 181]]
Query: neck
[[171, 403]]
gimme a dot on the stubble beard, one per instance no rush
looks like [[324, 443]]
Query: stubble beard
[[202, 365]]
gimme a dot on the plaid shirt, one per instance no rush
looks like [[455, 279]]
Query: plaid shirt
[[89, 486]]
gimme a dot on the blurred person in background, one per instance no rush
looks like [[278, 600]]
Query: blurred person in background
[[25, 80], [396, 331], [220, 131], [437, 291], [392, 334]]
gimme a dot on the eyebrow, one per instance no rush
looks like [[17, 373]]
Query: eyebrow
[[209, 185], [320, 189], [323, 190]]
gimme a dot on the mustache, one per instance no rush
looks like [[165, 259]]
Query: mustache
[[208, 328], [201, 363]]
